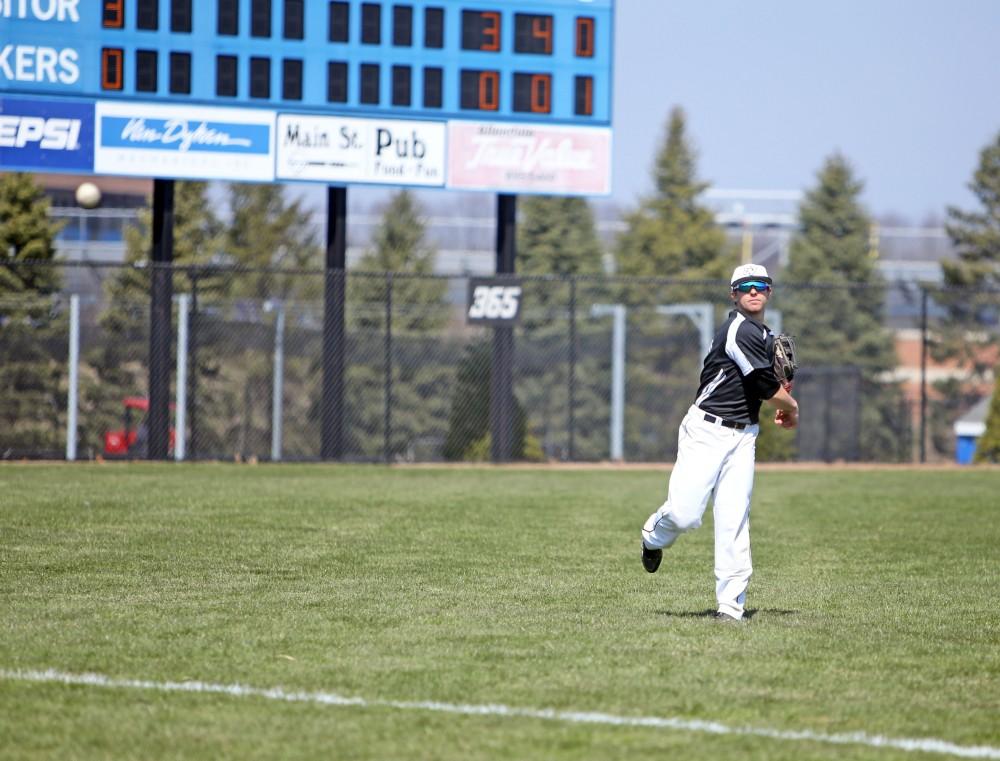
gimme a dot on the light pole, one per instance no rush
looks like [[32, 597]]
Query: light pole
[[700, 313], [618, 312]]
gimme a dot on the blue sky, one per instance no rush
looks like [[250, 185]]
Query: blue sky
[[907, 90]]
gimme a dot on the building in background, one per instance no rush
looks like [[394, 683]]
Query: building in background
[[93, 235]]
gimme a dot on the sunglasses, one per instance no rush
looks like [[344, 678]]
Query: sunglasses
[[747, 287]]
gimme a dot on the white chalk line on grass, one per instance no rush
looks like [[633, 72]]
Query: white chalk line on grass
[[924, 745]]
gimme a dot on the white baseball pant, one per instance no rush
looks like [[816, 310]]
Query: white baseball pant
[[711, 458]]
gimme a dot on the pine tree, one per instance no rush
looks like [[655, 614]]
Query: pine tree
[[975, 236], [197, 239], [556, 237], [672, 234], [988, 446], [839, 321], [832, 250], [969, 298], [399, 247], [268, 230], [469, 435], [26, 234], [32, 332], [401, 260], [121, 359]]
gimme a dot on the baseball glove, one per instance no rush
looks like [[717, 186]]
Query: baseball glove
[[784, 359]]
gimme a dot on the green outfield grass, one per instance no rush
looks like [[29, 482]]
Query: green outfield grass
[[874, 610]]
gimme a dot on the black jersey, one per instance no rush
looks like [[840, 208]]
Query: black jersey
[[738, 372]]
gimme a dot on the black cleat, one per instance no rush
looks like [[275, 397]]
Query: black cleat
[[725, 618], [651, 558]]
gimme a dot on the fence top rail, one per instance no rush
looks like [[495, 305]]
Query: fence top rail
[[199, 270]]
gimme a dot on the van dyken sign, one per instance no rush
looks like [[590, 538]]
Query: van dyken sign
[[184, 135], [169, 141]]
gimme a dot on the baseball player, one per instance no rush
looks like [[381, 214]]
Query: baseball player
[[717, 443]]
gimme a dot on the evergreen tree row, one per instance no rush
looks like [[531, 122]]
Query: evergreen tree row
[[831, 295]]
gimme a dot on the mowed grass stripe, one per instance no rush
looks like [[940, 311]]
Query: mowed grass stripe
[[871, 600], [922, 745]]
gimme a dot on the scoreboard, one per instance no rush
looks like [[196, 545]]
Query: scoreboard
[[314, 90]]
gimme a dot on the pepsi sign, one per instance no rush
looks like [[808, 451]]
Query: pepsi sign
[[49, 135]]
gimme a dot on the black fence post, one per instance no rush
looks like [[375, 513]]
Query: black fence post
[[160, 328], [923, 374], [387, 420], [827, 416], [854, 447], [571, 402], [332, 403], [502, 375], [906, 440]]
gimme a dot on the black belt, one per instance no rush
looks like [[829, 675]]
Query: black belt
[[724, 423]]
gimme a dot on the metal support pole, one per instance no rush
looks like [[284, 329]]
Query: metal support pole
[[180, 426], [618, 312], [502, 373], [571, 403], [278, 392], [332, 403], [192, 396], [827, 415], [160, 328], [74, 376], [387, 417], [700, 313], [618, 386], [924, 344]]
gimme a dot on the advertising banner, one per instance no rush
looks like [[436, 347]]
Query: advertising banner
[[529, 158], [46, 135], [333, 149], [142, 139]]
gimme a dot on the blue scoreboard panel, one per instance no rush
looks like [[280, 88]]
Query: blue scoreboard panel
[[546, 61], [505, 95]]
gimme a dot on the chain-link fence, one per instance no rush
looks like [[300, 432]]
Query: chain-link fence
[[601, 367]]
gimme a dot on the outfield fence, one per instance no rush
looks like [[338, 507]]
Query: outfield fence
[[600, 367]]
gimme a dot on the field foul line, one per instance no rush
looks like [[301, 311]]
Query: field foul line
[[923, 745]]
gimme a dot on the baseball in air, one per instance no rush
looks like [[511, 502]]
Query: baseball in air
[[88, 195]]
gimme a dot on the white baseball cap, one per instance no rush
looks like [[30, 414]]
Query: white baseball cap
[[746, 273]]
